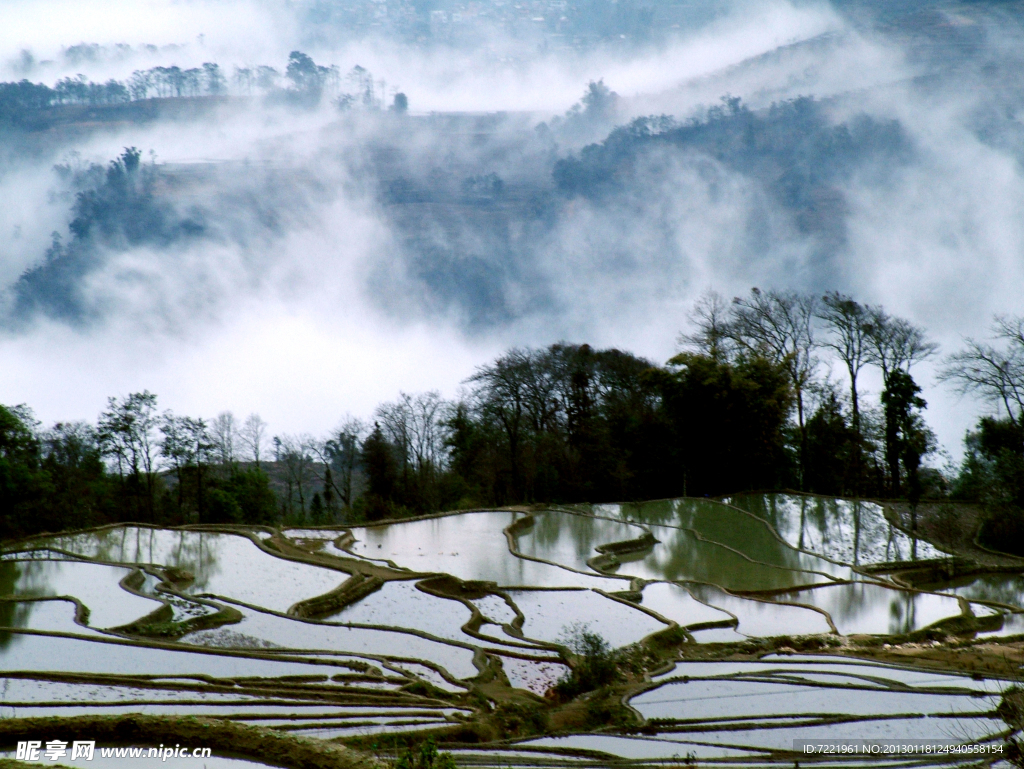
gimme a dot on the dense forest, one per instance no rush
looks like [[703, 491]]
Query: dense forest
[[746, 405]]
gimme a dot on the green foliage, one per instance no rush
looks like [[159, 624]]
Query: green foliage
[[381, 475], [427, 757], [317, 510], [993, 468], [518, 719], [22, 483], [906, 437], [251, 492], [79, 491], [565, 423], [221, 507], [19, 100], [1003, 530], [594, 664], [728, 422], [74, 475], [992, 473], [831, 465], [307, 79]]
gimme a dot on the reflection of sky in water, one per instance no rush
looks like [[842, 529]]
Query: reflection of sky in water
[[1013, 624], [813, 665], [719, 698], [680, 745], [56, 616], [426, 673], [571, 540], [182, 609], [759, 618], [999, 588], [293, 634], [312, 711], [853, 532], [885, 728], [470, 546], [675, 603], [718, 635], [75, 655], [725, 526], [403, 604], [535, 676], [549, 613], [495, 609], [875, 609], [224, 564], [31, 690], [473, 546], [94, 584], [633, 747]]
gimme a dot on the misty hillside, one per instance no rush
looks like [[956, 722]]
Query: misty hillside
[[370, 180], [473, 214]]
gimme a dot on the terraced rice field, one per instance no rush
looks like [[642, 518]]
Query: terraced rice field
[[456, 626]]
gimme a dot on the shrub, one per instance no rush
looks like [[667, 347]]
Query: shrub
[[426, 758], [596, 664]]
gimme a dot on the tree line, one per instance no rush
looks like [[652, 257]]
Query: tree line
[[303, 82], [750, 402]]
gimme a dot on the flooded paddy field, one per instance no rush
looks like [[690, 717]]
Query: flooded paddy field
[[735, 630]]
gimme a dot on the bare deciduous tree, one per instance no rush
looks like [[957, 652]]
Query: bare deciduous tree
[[252, 435], [847, 323], [224, 433], [501, 395], [414, 426], [895, 343], [711, 322], [779, 326], [994, 373], [126, 433], [296, 454], [341, 453]]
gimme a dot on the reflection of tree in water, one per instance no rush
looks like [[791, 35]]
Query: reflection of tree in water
[[657, 511], [550, 529], [902, 613], [851, 603], [736, 530], [851, 531], [581, 533], [858, 599], [13, 614], [682, 556], [193, 551], [999, 588]]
